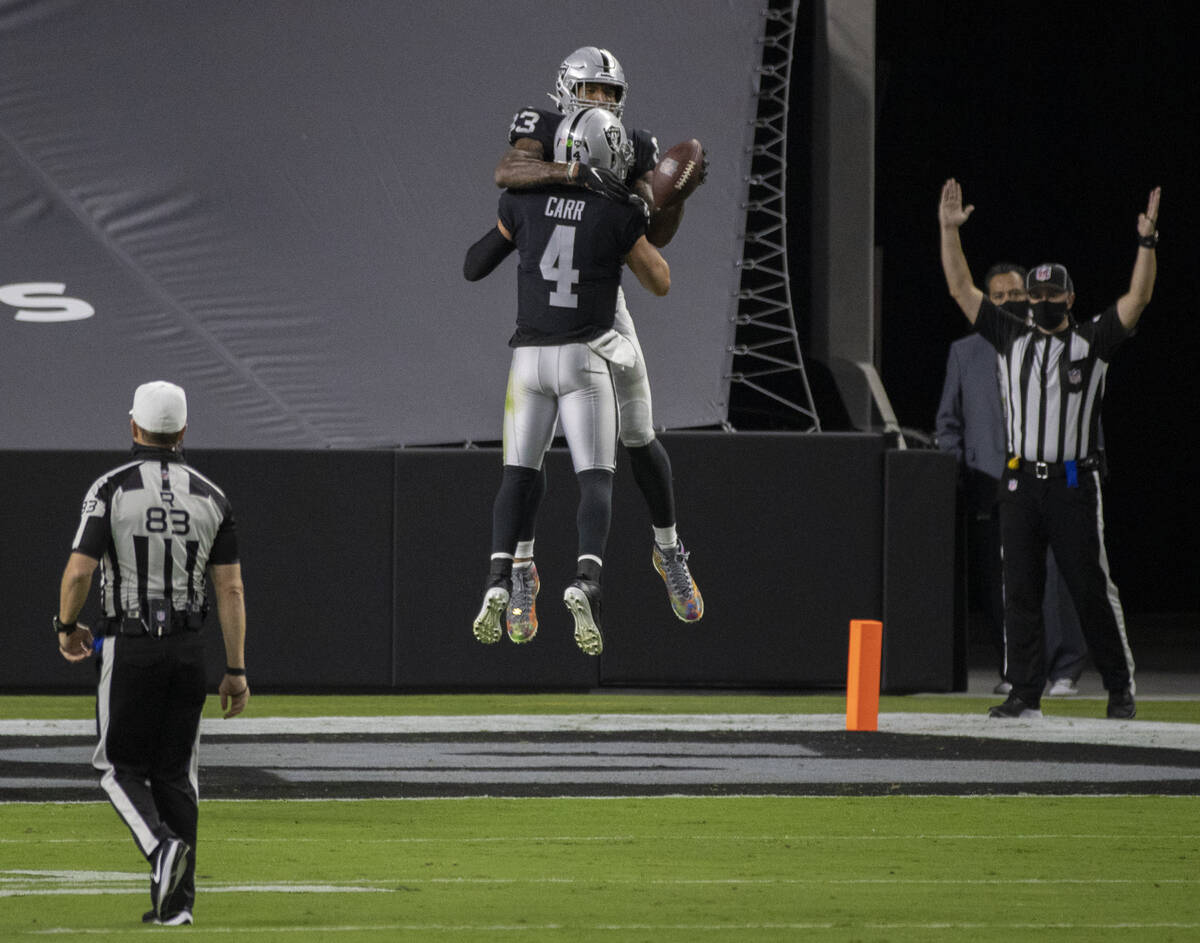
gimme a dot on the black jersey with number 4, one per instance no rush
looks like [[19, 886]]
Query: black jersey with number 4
[[541, 123], [572, 245]]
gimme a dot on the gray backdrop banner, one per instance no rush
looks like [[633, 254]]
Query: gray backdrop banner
[[270, 202]]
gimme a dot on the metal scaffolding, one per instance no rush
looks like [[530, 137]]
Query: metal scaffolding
[[766, 357]]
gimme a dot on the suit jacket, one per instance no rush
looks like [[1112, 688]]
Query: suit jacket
[[970, 417]]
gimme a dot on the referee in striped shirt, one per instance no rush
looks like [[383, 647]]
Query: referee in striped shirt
[[1052, 373], [155, 527]]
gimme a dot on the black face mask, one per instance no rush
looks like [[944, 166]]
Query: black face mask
[[1048, 314], [1018, 309]]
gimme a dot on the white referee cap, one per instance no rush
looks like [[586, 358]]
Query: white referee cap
[[159, 406]]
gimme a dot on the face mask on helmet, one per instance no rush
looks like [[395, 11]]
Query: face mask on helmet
[[594, 137], [584, 65]]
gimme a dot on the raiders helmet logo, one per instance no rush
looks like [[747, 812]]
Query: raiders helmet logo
[[613, 136]]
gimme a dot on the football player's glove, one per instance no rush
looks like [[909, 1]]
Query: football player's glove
[[603, 181]]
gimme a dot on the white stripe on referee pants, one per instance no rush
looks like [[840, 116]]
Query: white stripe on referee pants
[[1114, 598], [142, 833]]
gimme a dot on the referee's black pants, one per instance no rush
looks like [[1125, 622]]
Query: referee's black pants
[[1035, 512], [148, 704]]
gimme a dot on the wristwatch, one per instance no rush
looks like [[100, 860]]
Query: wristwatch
[[60, 626]]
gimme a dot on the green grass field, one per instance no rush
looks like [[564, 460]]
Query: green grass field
[[671, 869], [634, 869]]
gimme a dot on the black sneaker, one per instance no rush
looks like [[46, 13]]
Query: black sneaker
[[167, 869], [1014, 708], [181, 919], [582, 598], [1121, 705]]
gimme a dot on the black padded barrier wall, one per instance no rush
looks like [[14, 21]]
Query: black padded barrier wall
[[918, 571], [364, 569]]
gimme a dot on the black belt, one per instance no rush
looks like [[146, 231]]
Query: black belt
[[181, 621], [1052, 469]]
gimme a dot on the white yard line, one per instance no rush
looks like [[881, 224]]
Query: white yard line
[[1131, 733]]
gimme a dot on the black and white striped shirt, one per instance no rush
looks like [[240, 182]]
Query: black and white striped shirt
[[1052, 383], [155, 524]]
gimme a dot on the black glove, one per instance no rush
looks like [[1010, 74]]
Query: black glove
[[603, 181]]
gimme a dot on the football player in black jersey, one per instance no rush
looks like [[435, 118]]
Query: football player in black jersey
[[592, 77], [572, 244]]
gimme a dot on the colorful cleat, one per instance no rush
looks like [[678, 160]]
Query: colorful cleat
[[582, 598], [487, 623], [685, 595], [522, 605]]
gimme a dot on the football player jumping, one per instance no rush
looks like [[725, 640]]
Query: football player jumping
[[592, 77], [572, 245]]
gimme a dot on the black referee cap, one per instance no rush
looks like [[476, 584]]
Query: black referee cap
[[1049, 275]]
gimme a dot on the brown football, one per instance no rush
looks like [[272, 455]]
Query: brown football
[[677, 174]]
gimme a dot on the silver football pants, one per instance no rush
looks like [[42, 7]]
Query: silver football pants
[[633, 385], [571, 384]]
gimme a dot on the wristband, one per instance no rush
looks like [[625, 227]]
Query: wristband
[[236, 672], [1150, 241], [573, 171], [60, 626]]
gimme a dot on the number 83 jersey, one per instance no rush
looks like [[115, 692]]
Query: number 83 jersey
[[572, 246], [155, 524]]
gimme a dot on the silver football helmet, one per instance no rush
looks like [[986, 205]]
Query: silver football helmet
[[589, 64], [595, 137]]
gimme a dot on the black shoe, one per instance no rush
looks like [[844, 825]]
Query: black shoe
[[168, 867], [582, 598], [1014, 708], [1121, 705]]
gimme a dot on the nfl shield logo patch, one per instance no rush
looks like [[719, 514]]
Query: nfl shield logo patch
[[1075, 375], [1042, 273], [1012, 484]]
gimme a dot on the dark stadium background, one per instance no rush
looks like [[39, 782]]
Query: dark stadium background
[[1058, 119]]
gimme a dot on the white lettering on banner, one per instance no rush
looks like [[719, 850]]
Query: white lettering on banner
[[44, 302]]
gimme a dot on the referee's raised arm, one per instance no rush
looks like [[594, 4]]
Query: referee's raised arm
[[951, 215], [1141, 284]]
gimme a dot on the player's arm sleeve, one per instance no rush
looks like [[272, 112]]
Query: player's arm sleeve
[[485, 254]]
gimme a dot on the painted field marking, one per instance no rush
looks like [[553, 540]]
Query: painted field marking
[[26, 882], [1182, 736], [16, 883], [485, 839], [635, 927]]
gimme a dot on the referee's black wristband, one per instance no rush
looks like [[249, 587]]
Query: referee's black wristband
[[236, 672], [1149, 242], [60, 626]]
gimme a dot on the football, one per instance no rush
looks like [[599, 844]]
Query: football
[[677, 175]]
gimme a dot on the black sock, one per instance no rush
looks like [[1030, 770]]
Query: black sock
[[508, 510], [595, 511], [652, 472]]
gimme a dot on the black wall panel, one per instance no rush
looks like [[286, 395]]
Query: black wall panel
[[443, 543], [785, 534], [918, 571], [364, 569]]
